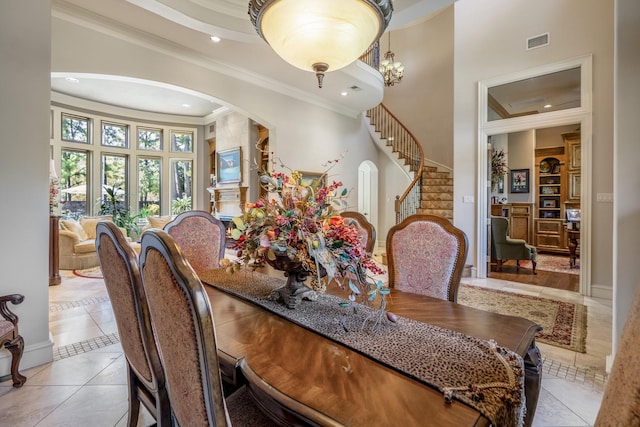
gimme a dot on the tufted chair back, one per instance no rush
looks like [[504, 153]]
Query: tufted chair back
[[505, 248], [119, 265], [621, 401], [201, 238], [366, 231], [184, 328], [426, 255]]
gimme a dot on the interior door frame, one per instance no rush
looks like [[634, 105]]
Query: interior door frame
[[581, 115]]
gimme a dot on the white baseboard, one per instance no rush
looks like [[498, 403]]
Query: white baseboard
[[33, 355], [601, 291]]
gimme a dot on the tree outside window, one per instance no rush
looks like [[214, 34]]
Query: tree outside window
[[182, 142], [73, 175], [75, 128], [181, 190], [114, 135], [149, 175], [149, 139]]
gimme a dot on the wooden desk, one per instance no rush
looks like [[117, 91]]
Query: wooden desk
[[333, 385]]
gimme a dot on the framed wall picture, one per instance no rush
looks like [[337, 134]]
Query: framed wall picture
[[519, 179], [309, 177], [229, 165]]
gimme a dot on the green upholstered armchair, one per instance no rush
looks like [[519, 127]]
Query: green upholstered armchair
[[504, 248]]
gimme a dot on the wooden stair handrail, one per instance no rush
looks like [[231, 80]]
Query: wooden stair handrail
[[406, 145]]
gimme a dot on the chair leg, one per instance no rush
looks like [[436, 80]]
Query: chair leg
[[534, 263], [518, 265], [134, 402], [498, 265], [16, 347]]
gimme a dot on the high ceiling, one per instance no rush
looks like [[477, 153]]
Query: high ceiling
[[188, 25]]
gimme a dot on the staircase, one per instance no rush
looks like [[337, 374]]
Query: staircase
[[431, 189]]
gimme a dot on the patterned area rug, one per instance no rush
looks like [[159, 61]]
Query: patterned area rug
[[564, 324], [89, 273], [547, 262]]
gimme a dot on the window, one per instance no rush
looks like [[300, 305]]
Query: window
[[75, 128], [114, 135], [73, 183], [149, 175], [181, 189], [138, 167], [182, 142], [149, 139], [114, 177]]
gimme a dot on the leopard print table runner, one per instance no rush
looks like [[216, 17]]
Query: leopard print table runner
[[476, 372]]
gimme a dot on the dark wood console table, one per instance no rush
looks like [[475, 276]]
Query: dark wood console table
[[330, 384], [54, 252]]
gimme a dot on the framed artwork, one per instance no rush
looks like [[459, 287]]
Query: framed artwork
[[229, 165], [519, 179], [549, 204], [573, 215], [309, 177], [556, 168]]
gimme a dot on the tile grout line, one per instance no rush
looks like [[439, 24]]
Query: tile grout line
[[78, 303], [85, 346]]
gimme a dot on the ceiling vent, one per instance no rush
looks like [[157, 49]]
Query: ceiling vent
[[537, 41]]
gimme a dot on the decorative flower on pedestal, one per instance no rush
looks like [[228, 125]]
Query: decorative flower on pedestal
[[302, 224], [498, 167]]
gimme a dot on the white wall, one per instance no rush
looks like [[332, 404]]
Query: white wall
[[626, 215], [521, 156], [489, 42], [24, 172], [423, 99]]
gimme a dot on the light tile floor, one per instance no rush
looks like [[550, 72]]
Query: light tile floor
[[86, 383]]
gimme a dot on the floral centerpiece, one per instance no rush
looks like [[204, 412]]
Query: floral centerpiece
[[498, 167], [301, 232]]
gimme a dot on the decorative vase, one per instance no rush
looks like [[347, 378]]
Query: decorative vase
[[295, 290], [54, 190]]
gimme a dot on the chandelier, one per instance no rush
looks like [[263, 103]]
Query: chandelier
[[320, 35], [392, 70]]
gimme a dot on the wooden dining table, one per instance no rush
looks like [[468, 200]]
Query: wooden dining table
[[318, 381]]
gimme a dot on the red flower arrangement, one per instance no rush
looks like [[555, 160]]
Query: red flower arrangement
[[303, 223]]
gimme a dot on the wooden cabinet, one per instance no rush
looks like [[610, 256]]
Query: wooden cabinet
[[551, 235], [558, 189], [520, 216], [574, 161]]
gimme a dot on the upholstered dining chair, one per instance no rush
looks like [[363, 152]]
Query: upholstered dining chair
[[201, 237], [426, 255], [185, 334], [10, 338], [621, 401], [504, 248], [119, 265], [366, 230]]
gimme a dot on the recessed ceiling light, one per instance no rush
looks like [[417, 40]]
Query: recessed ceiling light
[[186, 105], [345, 93], [548, 106], [72, 80], [215, 39]]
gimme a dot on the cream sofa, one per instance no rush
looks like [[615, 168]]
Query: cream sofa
[[77, 242]]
